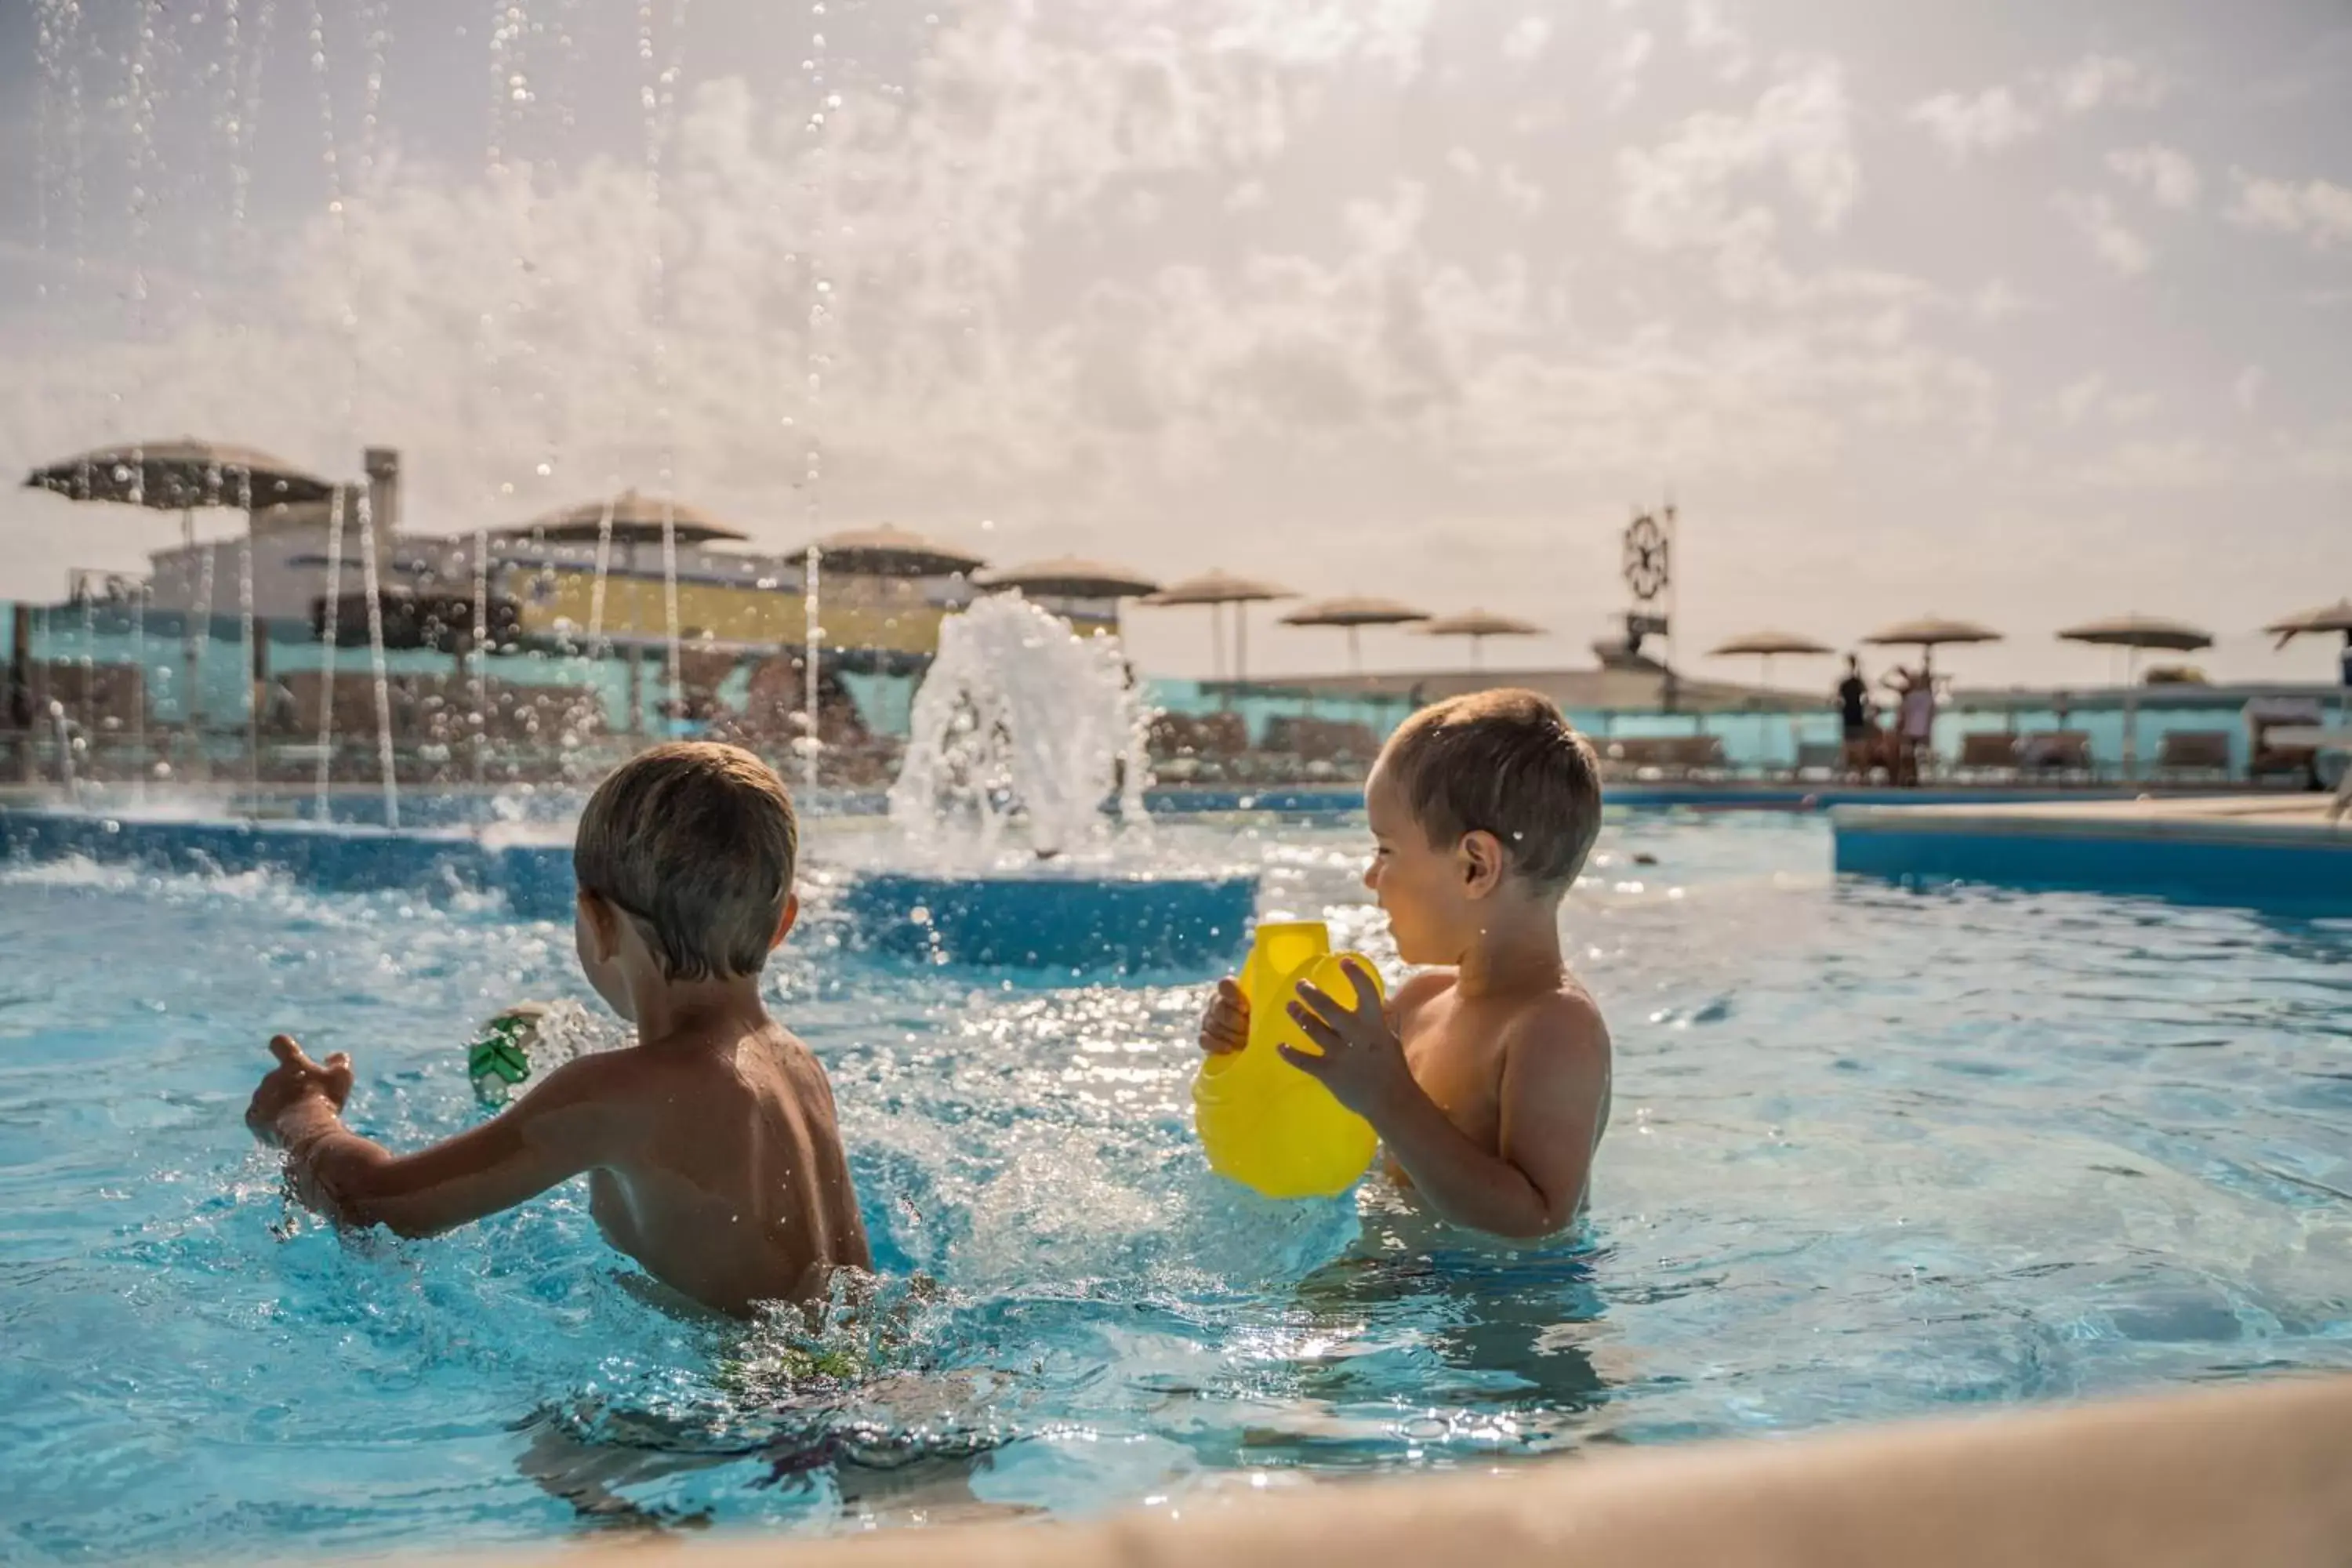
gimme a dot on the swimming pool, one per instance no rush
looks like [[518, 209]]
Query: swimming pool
[[1874, 1152]]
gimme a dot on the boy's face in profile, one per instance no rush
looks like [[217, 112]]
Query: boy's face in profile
[[1419, 887]]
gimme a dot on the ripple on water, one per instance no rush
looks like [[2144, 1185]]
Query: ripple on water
[[1875, 1151]]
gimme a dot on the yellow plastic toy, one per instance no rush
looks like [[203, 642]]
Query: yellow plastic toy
[[1262, 1123]]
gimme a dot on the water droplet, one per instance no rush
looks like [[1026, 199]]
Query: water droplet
[[545, 469]]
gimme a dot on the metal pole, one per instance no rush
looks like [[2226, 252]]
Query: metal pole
[[2131, 714], [139, 687], [252, 651], [811, 642], [479, 688], [330, 612]]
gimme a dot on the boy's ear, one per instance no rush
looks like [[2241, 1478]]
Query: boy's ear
[[1481, 857], [602, 922], [784, 924]]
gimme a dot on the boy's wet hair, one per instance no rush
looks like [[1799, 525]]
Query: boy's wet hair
[[696, 842], [1505, 762]]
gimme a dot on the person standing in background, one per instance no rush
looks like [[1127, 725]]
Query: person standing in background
[[1861, 735]]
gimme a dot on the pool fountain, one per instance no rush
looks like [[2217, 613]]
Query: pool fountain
[[1018, 834]]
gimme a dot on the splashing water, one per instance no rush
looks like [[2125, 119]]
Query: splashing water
[[1021, 720]]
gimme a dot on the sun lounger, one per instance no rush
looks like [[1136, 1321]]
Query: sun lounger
[[1988, 753], [2271, 724], [2183, 753], [1818, 760], [1340, 742], [2056, 752], [101, 697], [1650, 758]]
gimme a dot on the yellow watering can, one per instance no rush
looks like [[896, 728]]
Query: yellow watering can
[[1262, 1123]]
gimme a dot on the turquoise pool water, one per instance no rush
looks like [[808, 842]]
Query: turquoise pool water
[[1875, 1153]]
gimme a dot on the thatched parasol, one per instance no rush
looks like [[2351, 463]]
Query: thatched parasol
[[1479, 626], [1216, 590], [1072, 577], [628, 518], [2132, 633], [887, 551], [180, 476], [1928, 633], [1768, 645], [1352, 614]]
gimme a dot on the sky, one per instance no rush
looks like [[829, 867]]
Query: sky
[[2021, 312]]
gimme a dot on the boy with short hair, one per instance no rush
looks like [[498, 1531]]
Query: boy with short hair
[[710, 1146], [1487, 1080]]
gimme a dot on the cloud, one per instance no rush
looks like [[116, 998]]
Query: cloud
[[2099, 81], [2167, 176], [1708, 35], [2001, 117], [1996, 301], [2318, 211], [1680, 193], [2094, 216], [2091, 397], [1621, 70], [1987, 122], [2247, 390], [1527, 39]]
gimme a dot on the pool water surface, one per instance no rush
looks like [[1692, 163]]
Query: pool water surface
[[1873, 1154]]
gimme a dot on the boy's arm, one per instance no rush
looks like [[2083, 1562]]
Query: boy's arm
[[560, 1129], [1551, 1095]]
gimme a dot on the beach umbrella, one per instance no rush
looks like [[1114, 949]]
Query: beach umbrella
[[1479, 626], [1072, 577], [2334, 617], [180, 476], [2132, 633], [1768, 645], [1216, 590], [1928, 633], [1352, 615], [887, 551], [883, 551], [629, 517]]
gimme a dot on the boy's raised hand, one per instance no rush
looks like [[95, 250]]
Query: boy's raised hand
[[1224, 1027], [294, 1080], [1362, 1062]]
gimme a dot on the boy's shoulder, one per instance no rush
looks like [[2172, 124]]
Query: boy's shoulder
[[1566, 1017]]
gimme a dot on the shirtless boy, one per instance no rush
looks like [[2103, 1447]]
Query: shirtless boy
[[1488, 1077], [710, 1146]]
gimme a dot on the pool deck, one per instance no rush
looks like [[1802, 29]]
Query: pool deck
[[2251, 850], [2211, 1478]]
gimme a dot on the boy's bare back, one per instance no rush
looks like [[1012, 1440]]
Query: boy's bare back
[[711, 1149], [724, 1173], [715, 1163]]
